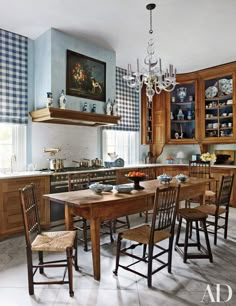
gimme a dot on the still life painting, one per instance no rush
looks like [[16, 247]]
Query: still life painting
[[86, 77]]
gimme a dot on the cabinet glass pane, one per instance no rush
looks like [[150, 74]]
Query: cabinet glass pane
[[182, 115], [219, 107]]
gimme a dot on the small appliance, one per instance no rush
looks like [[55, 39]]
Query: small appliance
[[118, 162]]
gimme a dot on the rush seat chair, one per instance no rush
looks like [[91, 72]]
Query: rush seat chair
[[40, 242], [198, 168], [149, 237], [218, 213]]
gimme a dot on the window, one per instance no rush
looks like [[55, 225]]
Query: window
[[12, 144], [124, 143]]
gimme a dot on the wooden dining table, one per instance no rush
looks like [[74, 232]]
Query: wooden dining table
[[111, 205]]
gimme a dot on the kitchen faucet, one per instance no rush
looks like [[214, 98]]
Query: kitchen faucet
[[13, 159]]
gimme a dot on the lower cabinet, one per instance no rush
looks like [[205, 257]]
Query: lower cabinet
[[10, 210]]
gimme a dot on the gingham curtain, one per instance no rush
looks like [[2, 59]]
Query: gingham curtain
[[13, 78], [128, 104]]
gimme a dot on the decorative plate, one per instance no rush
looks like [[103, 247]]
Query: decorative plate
[[222, 82], [228, 88], [211, 92]]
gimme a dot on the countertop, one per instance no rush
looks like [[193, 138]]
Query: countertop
[[48, 173]]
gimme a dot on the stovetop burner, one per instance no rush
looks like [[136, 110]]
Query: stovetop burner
[[68, 169]]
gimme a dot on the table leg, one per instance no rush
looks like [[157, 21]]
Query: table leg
[[68, 218], [95, 239]]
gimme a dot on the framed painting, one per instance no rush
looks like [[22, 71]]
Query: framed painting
[[85, 77]]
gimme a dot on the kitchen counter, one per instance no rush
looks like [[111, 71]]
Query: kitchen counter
[[132, 166]]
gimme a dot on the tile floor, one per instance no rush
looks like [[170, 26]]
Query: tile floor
[[185, 286]]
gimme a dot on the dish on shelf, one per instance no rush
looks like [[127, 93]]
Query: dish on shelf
[[211, 92], [221, 83], [124, 188], [228, 87]]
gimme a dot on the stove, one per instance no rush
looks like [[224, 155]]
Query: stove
[[59, 183]]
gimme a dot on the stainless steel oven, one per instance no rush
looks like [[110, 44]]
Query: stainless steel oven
[[59, 183]]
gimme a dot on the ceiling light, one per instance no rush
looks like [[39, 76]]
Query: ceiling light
[[152, 76]]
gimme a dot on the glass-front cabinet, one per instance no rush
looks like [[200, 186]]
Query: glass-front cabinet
[[182, 113], [218, 107]]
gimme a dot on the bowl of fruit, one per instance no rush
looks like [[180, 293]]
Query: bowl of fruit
[[136, 177]]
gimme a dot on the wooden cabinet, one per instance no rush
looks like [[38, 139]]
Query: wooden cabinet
[[218, 108], [181, 113], [147, 119], [200, 110], [10, 210]]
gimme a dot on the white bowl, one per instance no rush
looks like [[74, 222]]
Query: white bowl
[[108, 188], [164, 178], [98, 188], [124, 188], [181, 177]]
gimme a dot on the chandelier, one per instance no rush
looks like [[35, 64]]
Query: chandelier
[[153, 76]]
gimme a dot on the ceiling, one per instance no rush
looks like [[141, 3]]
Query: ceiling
[[191, 34]]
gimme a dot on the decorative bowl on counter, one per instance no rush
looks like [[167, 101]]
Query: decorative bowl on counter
[[181, 177], [164, 178], [124, 188], [136, 177], [108, 188], [97, 188]]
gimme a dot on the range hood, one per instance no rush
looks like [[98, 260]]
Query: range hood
[[71, 117]]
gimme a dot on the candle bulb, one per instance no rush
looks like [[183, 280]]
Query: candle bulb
[[137, 66], [160, 65]]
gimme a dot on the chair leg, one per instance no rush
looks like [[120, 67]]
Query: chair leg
[[144, 250], [178, 231], [149, 272], [119, 238], [186, 241], [226, 222], [40, 254], [69, 254], [207, 240], [111, 230], [215, 230], [171, 240], [76, 253], [127, 221], [85, 234], [198, 236], [30, 272]]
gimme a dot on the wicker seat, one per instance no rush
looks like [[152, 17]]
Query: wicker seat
[[219, 211], [162, 227], [36, 240], [192, 215], [202, 169]]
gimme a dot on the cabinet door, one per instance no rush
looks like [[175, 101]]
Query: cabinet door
[[146, 119], [182, 123], [218, 108]]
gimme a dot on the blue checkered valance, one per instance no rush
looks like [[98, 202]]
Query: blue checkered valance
[[128, 104], [13, 78]]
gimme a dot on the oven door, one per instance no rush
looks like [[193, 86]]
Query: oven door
[[57, 210]]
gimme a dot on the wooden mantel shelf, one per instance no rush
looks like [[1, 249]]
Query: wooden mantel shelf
[[72, 117]]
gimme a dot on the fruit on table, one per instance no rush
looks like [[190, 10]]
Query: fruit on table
[[135, 174]]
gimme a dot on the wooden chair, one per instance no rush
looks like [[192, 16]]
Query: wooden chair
[[162, 227], [202, 169], [80, 181], [38, 241], [219, 211]]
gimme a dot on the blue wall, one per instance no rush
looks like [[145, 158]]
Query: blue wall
[[50, 68]]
